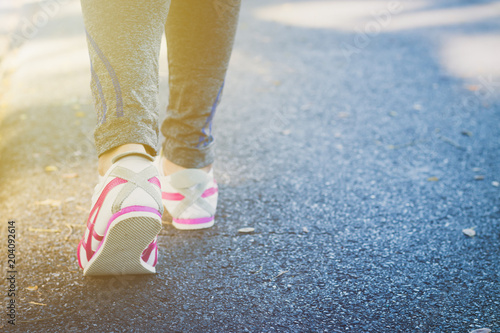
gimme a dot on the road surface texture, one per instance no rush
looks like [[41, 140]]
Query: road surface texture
[[358, 138]]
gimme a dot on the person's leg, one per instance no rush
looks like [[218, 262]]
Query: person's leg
[[200, 35], [124, 38]]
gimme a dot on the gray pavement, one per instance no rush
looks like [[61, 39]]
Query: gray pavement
[[358, 138]]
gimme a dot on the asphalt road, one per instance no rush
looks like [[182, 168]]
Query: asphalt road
[[358, 156]]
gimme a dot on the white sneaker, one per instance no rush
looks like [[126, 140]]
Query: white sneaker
[[189, 196], [124, 220]]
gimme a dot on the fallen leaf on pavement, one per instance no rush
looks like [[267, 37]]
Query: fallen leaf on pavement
[[70, 175], [451, 142], [246, 230], [49, 202], [280, 274], [83, 209], [43, 230], [51, 168], [255, 272]]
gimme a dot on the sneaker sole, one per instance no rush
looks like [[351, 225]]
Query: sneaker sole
[[182, 226], [123, 244], [185, 226]]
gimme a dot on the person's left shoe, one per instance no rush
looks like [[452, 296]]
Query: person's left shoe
[[189, 196], [125, 219]]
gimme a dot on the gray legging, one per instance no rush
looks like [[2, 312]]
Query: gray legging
[[124, 38]]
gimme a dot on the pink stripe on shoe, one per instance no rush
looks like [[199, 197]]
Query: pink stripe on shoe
[[97, 236], [147, 252], [155, 181], [78, 253], [209, 192], [156, 259], [97, 207], [194, 221], [172, 196]]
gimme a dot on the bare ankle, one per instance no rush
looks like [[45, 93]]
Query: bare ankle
[[105, 159]]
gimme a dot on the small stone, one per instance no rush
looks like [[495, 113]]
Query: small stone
[[466, 133], [481, 330], [469, 232]]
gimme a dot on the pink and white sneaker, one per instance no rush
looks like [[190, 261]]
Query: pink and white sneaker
[[125, 219], [189, 196]]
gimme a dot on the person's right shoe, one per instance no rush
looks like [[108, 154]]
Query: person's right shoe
[[125, 219], [189, 196]]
